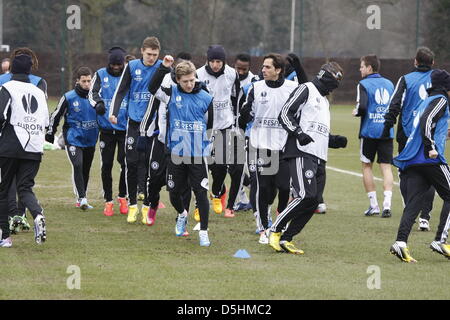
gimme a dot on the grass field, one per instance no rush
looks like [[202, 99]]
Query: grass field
[[122, 261]]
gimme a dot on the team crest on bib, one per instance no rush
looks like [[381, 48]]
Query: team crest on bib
[[30, 104], [138, 74], [309, 174], [263, 99], [130, 140], [76, 105], [102, 144], [252, 168], [170, 184], [155, 165], [178, 102]]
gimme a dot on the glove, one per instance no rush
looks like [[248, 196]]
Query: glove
[[100, 108], [386, 134], [342, 141], [336, 141], [50, 138], [304, 139], [294, 61], [141, 144]]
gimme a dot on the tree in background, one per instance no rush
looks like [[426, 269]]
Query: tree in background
[[438, 20], [93, 14]]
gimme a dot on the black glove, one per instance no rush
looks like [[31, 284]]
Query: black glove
[[50, 138], [304, 139], [141, 144], [386, 134], [342, 141], [100, 108], [337, 142], [294, 61]]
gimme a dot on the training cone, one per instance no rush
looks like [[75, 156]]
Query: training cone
[[242, 254], [161, 205]]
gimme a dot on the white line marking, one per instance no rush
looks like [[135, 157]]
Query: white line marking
[[356, 174]]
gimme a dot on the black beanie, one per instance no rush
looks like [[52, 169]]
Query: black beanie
[[116, 55], [440, 79], [21, 64], [216, 52]]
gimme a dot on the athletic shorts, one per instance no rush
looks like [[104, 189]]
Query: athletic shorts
[[384, 148], [178, 176]]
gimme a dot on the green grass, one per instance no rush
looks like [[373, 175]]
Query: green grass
[[122, 261]]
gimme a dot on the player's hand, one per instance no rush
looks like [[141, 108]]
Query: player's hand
[[113, 119], [49, 138], [341, 141], [294, 61], [433, 154], [304, 139], [100, 108], [168, 61], [386, 134]]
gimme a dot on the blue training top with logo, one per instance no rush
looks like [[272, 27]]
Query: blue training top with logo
[[187, 123], [139, 96], [80, 121], [109, 85], [417, 84], [413, 153], [7, 77], [379, 92]]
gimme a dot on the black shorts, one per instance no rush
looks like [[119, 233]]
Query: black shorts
[[178, 176], [384, 148]]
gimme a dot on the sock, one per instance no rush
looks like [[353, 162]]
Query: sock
[[387, 200], [401, 244], [203, 232], [183, 214], [373, 199]]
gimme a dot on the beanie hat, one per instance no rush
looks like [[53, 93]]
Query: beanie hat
[[440, 79], [216, 52], [21, 64], [116, 55], [330, 75]]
